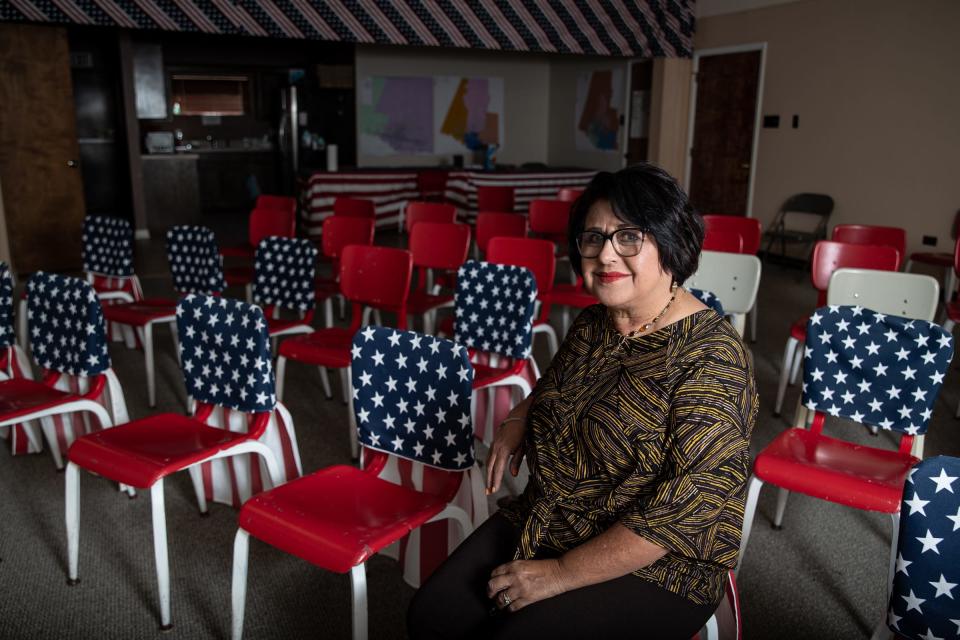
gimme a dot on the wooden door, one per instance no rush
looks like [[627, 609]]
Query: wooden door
[[39, 154], [723, 132]]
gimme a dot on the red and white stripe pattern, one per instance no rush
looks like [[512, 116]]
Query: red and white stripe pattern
[[389, 192], [628, 28], [462, 187]]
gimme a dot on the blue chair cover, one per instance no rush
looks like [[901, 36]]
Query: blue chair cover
[[107, 246], [708, 298], [194, 260], [7, 335], [494, 306], [285, 269]]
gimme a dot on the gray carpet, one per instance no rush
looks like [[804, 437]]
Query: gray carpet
[[823, 574]]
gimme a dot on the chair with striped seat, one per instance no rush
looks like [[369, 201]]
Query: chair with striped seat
[[285, 275]]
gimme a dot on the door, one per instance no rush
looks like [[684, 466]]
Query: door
[[39, 155], [638, 135], [724, 125]]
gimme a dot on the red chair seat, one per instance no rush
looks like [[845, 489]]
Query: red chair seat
[[143, 451], [326, 287], [238, 275], [798, 330], [324, 348], [484, 375], [142, 312], [571, 295], [239, 251], [338, 517], [20, 396], [936, 259], [953, 311], [420, 302], [277, 325], [835, 470]]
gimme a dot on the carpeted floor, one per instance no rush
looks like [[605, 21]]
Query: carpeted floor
[[821, 576]]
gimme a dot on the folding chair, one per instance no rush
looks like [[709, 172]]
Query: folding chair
[[434, 245], [285, 279], [734, 278], [495, 224], [339, 232], [895, 237], [339, 517], [814, 210], [871, 368], [428, 212], [226, 365], [944, 260], [925, 555], [495, 199]]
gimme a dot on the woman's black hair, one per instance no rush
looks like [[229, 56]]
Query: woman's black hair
[[647, 196]]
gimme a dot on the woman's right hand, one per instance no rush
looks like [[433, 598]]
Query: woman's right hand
[[508, 446]]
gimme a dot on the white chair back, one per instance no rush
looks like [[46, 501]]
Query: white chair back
[[909, 295], [734, 278]]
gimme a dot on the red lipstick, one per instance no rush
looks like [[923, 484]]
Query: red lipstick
[[608, 277]]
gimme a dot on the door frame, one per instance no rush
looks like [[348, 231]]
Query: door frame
[[628, 109], [740, 48]]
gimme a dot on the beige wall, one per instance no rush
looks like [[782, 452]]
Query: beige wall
[[875, 83], [669, 111]]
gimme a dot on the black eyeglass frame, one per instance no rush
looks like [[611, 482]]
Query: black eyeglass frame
[[610, 237]]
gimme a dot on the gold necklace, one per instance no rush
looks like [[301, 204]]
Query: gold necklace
[[649, 325]]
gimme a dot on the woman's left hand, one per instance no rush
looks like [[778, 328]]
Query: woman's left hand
[[517, 584]]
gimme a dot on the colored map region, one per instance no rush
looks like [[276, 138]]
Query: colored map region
[[470, 118], [396, 115]]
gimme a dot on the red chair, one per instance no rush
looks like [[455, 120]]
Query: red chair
[[142, 453], [495, 199], [339, 232], [537, 256], [428, 212], [828, 256], [749, 229], [549, 219], [895, 237], [495, 224], [943, 260], [263, 223], [432, 185], [354, 208], [953, 306], [378, 277], [434, 245], [724, 241], [14, 363], [569, 195], [279, 203]]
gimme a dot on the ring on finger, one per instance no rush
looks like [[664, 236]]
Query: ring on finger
[[506, 598]]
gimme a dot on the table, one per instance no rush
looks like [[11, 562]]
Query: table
[[462, 187]]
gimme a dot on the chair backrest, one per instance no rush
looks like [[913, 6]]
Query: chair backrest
[[439, 245], [708, 298], [67, 331], [733, 277], [908, 295], [284, 273], [569, 195], [378, 276], [532, 253], [354, 207], [278, 203], [107, 246], [7, 334], [895, 237], [194, 260], [225, 353], [428, 212], [340, 231], [749, 229], [433, 425], [431, 183], [549, 217], [266, 222], [828, 256], [813, 203], [923, 603], [495, 199], [494, 224], [873, 368], [494, 305], [724, 241]]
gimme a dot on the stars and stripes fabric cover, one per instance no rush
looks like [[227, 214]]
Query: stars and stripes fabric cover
[[194, 260], [7, 335], [284, 272], [876, 369], [107, 247], [225, 353], [708, 298], [627, 28], [494, 307], [411, 396], [67, 330], [925, 600]]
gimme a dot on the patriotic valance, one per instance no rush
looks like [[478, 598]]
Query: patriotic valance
[[631, 28]]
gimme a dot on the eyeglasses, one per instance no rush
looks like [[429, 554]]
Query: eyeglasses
[[626, 242]]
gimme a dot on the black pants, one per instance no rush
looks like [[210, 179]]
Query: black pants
[[453, 602]]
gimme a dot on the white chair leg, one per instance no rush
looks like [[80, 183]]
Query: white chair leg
[[176, 343], [481, 510], [196, 476], [238, 596], [797, 364], [788, 354], [325, 381], [129, 336], [328, 312], [894, 539], [948, 325], [782, 495], [49, 428], [377, 319], [22, 331], [739, 322], [358, 592], [345, 385], [281, 370], [147, 337], [160, 552], [753, 493], [713, 631], [248, 293], [73, 522]]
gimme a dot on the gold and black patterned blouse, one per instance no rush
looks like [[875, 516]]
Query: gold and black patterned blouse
[[652, 432]]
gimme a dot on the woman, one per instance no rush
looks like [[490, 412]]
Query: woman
[[637, 440]]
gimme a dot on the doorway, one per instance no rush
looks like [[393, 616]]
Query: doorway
[[724, 128]]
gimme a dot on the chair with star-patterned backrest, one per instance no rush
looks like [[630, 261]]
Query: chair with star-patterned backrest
[[196, 268], [285, 270], [14, 363], [412, 403], [226, 364], [925, 556], [68, 342], [708, 298], [871, 368]]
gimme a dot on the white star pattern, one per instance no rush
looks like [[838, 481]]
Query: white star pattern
[[194, 260], [478, 324], [107, 246]]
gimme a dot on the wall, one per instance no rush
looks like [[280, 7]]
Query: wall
[[669, 114], [526, 91], [875, 85]]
